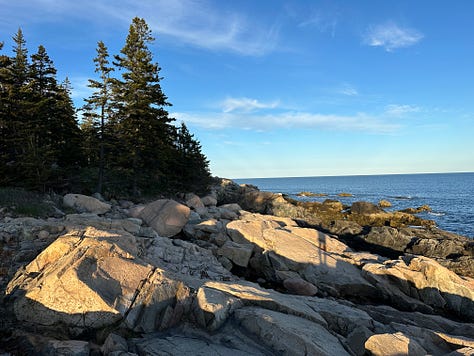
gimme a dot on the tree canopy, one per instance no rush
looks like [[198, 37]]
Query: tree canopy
[[124, 143]]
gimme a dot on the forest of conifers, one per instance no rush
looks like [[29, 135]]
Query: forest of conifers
[[125, 142]]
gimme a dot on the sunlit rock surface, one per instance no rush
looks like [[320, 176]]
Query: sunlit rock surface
[[115, 284]]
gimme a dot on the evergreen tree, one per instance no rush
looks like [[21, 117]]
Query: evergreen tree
[[67, 135], [20, 60], [97, 112], [143, 125], [16, 109], [52, 135], [5, 133], [191, 165], [39, 152]]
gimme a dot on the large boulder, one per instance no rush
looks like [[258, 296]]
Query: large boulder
[[166, 216], [91, 279], [420, 283], [317, 257], [85, 204]]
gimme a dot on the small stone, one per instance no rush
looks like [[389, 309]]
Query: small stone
[[225, 262], [393, 344], [43, 234], [232, 207], [193, 201], [209, 200], [300, 286], [68, 347], [228, 214], [210, 226], [384, 204], [219, 239], [357, 338], [238, 253], [114, 343]]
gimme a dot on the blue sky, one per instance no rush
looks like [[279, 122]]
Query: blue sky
[[289, 88]]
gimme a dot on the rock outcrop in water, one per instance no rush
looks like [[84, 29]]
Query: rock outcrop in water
[[231, 282]]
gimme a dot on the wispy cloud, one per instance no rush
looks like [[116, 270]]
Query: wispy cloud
[[401, 110], [80, 89], [191, 22], [252, 114], [357, 122], [348, 89], [324, 22], [245, 105], [391, 36]]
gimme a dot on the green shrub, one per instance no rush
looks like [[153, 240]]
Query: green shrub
[[25, 203]]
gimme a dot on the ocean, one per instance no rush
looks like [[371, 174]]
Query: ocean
[[450, 195]]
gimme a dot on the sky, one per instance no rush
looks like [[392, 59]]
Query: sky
[[285, 88]]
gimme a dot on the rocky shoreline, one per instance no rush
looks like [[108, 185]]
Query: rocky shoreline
[[236, 272]]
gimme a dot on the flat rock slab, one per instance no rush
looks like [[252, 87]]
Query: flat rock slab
[[288, 334], [415, 278], [90, 279]]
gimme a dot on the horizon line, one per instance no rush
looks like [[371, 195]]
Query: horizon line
[[355, 175]]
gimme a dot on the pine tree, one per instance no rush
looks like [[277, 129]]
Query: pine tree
[[143, 125], [98, 111]]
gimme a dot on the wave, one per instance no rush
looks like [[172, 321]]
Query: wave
[[409, 197], [434, 213]]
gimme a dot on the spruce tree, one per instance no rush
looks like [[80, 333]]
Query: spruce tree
[[191, 165], [20, 60], [52, 135], [67, 136], [39, 152], [5, 129], [98, 111], [143, 125], [17, 110]]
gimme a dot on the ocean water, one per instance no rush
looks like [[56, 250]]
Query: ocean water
[[450, 195]]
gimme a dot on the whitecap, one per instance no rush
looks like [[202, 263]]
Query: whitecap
[[409, 197], [434, 213]]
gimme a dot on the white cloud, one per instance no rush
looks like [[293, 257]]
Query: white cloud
[[357, 122], [245, 105], [391, 36], [191, 22], [400, 110]]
